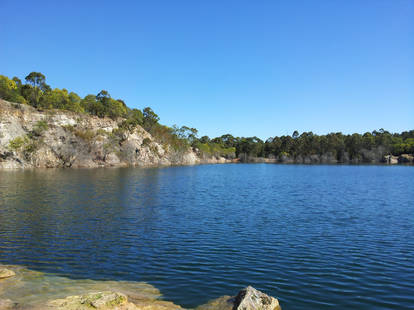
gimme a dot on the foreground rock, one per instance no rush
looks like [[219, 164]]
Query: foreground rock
[[6, 273], [247, 299], [251, 299]]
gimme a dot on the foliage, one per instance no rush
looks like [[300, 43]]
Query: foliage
[[86, 135], [150, 119], [39, 128], [17, 143], [10, 90], [146, 142]]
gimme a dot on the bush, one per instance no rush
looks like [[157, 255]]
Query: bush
[[17, 143], [86, 135], [40, 127], [146, 142]]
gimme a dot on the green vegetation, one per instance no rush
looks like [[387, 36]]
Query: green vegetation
[[39, 128], [366, 147], [35, 92], [17, 143]]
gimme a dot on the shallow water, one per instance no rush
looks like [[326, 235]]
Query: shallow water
[[33, 290], [316, 237]]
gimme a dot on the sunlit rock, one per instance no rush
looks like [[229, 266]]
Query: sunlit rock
[[95, 300], [6, 273], [247, 299], [252, 299]]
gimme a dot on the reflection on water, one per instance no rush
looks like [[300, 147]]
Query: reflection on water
[[316, 237]]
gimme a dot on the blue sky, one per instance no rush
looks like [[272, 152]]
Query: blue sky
[[261, 68]]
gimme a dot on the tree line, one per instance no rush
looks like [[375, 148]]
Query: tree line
[[370, 146], [341, 147]]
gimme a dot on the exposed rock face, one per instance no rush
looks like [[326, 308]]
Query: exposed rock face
[[251, 299], [55, 138], [6, 273]]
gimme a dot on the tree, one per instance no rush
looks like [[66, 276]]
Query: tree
[[204, 139], [37, 81], [150, 118], [55, 99], [9, 90], [134, 119], [103, 96], [115, 108]]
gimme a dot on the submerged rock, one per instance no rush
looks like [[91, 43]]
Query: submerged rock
[[252, 299], [109, 301], [96, 300], [6, 273], [221, 303]]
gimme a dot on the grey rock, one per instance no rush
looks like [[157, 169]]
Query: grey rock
[[252, 299]]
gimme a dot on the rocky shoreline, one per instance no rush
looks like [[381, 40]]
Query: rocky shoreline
[[23, 289]]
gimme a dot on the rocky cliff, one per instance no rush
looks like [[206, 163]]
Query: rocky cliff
[[55, 138]]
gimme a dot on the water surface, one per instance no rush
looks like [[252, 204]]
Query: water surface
[[316, 237]]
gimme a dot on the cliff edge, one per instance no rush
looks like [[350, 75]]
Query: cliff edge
[[55, 138]]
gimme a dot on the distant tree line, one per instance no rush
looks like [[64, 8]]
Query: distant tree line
[[352, 147], [366, 147]]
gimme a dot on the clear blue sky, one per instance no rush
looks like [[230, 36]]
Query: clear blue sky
[[261, 68]]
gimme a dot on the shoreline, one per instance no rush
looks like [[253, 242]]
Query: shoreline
[[149, 166], [23, 289]]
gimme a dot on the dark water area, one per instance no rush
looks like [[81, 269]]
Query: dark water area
[[315, 237]]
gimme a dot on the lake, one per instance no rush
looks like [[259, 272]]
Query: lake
[[315, 237]]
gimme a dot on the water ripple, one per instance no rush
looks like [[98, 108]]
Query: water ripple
[[317, 237]]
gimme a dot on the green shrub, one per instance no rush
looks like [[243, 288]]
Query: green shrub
[[86, 135], [146, 142], [17, 143], [39, 128]]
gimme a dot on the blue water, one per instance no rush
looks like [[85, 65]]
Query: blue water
[[316, 237]]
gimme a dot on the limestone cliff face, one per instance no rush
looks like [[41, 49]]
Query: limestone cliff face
[[55, 138]]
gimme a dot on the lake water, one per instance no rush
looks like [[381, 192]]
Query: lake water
[[316, 237]]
